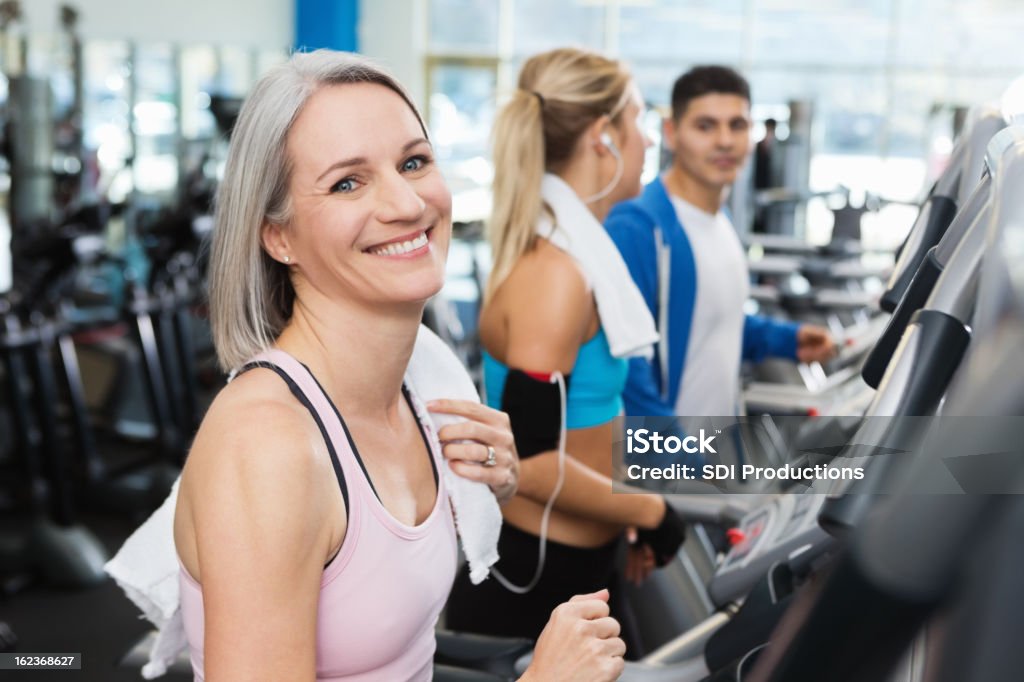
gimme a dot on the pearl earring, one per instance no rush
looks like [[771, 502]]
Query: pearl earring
[[287, 259]]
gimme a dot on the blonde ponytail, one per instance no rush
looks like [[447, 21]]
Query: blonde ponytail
[[519, 168], [560, 94]]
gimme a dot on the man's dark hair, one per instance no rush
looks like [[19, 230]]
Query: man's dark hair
[[705, 80]]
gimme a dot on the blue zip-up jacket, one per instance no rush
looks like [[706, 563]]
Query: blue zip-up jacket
[[657, 251]]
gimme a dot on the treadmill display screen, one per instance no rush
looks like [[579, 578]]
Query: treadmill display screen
[[752, 530]]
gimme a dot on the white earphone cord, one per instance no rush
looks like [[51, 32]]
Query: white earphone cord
[[505, 582], [619, 167]]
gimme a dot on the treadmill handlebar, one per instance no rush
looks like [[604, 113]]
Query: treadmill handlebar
[[941, 343], [937, 215], [932, 351], [918, 291]]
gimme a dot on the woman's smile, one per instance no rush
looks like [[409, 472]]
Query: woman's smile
[[406, 246]]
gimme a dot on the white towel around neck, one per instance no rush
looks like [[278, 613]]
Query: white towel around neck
[[146, 566], [624, 316]]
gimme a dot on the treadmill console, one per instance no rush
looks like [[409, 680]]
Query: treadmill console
[[769, 534]]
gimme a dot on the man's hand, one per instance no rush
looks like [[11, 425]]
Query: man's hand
[[814, 344]]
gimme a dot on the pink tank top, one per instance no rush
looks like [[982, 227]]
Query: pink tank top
[[381, 595]]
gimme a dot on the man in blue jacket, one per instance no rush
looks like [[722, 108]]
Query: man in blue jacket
[[687, 260]]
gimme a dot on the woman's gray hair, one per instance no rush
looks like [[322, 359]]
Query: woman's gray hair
[[251, 294]]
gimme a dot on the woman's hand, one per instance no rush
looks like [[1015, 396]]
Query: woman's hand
[[639, 558], [580, 642], [480, 448]]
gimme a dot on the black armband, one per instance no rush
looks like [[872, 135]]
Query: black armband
[[534, 407]]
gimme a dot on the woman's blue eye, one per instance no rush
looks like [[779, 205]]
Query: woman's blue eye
[[414, 163], [346, 185]]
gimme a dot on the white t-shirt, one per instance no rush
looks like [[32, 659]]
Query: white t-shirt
[[710, 383]]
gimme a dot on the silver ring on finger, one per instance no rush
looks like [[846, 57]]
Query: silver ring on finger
[[492, 458]]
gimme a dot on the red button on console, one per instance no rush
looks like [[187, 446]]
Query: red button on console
[[735, 536]]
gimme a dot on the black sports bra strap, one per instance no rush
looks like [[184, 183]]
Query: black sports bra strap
[[302, 398]]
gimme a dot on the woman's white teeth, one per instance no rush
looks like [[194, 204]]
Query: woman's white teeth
[[397, 249]]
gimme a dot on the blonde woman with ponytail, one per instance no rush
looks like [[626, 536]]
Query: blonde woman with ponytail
[[561, 316]]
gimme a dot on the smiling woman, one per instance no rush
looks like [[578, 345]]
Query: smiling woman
[[312, 524], [370, 215]]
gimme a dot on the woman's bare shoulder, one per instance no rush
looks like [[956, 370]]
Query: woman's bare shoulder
[[256, 408], [548, 307], [256, 437], [256, 475], [552, 265], [549, 282]]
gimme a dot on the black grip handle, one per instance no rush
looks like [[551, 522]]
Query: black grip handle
[[916, 295], [941, 211]]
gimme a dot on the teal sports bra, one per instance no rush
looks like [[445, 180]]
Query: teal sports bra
[[595, 392]]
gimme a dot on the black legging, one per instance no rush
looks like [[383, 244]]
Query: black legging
[[489, 608]]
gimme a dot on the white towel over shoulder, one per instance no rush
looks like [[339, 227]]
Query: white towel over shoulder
[[624, 315], [434, 372], [146, 566]]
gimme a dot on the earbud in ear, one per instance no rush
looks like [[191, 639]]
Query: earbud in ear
[[606, 140]]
